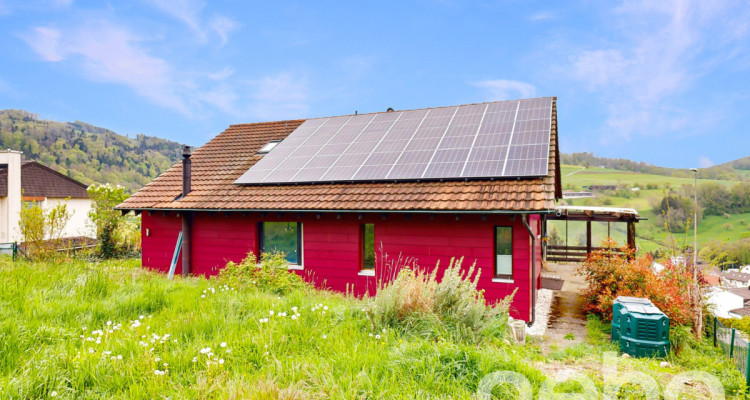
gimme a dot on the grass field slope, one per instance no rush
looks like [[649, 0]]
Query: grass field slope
[[111, 330], [651, 189]]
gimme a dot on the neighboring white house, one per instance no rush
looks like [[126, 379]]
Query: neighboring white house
[[722, 301], [24, 182]]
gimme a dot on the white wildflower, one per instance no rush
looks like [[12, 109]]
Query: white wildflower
[[53, 394], [119, 356], [140, 317], [206, 350], [195, 359], [223, 344], [325, 337], [377, 337], [221, 361]]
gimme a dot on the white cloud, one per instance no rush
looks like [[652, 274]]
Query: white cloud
[[501, 89], [658, 52], [543, 16], [187, 11], [111, 53], [190, 13], [705, 162], [223, 26], [221, 75], [46, 43]]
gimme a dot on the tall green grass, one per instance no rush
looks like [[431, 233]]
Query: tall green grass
[[112, 330]]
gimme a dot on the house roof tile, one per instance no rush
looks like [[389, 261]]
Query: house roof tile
[[38, 180]]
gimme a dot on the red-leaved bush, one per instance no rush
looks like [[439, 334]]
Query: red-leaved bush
[[611, 273]]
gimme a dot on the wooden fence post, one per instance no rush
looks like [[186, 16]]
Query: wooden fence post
[[731, 345]]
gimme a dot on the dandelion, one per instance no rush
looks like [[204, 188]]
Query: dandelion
[[377, 337], [325, 308], [271, 312], [195, 359], [206, 350], [109, 323], [203, 296], [229, 351], [140, 317], [384, 330], [53, 394], [294, 309], [325, 337], [157, 359], [294, 316], [119, 356], [165, 365], [223, 344], [221, 361]]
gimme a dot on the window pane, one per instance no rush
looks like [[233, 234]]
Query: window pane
[[368, 246], [504, 251], [281, 237]]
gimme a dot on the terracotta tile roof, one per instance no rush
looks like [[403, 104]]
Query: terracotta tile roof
[[216, 166], [40, 181]]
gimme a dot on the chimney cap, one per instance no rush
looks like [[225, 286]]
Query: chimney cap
[[187, 151]]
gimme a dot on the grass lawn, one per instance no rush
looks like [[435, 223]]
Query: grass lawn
[[112, 330]]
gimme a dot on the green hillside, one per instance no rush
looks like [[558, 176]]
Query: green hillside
[[652, 188], [86, 152]]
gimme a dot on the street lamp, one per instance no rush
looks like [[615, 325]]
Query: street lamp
[[695, 224], [698, 323]]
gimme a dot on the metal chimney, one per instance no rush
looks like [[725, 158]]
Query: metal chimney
[[187, 151]]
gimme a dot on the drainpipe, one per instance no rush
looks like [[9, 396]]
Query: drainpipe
[[187, 216], [533, 268]]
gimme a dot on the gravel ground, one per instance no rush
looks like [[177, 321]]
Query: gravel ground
[[543, 306]]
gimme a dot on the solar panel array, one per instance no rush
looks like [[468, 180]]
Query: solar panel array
[[500, 139]]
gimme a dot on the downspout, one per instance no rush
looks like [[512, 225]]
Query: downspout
[[533, 269], [187, 216]]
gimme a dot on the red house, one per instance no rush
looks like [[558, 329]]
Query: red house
[[473, 181]]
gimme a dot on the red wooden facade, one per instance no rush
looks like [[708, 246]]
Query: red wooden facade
[[331, 247]]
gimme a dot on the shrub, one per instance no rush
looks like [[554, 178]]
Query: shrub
[[41, 230], [271, 275], [105, 218], [610, 273], [727, 227], [416, 300]]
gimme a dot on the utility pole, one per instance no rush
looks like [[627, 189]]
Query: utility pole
[[697, 303]]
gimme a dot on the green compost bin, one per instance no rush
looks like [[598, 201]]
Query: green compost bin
[[644, 331], [617, 306]]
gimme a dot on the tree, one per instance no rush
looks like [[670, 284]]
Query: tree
[[105, 218]]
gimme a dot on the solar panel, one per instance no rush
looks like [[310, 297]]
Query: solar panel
[[490, 140]]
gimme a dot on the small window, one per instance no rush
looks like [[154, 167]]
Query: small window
[[367, 235], [268, 147], [504, 252], [282, 237]]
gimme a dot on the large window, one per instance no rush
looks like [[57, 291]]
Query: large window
[[283, 237], [504, 252], [367, 236]]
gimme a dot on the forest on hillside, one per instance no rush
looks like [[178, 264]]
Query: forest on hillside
[[85, 152]]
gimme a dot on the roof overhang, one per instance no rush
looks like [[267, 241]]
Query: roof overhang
[[587, 213]]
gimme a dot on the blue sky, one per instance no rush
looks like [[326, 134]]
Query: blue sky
[[666, 82]]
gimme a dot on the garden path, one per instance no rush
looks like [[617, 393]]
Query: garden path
[[567, 321]]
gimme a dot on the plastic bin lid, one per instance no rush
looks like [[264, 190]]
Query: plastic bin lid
[[643, 309], [636, 300]]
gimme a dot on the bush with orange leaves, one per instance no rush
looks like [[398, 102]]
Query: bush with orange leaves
[[612, 272]]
